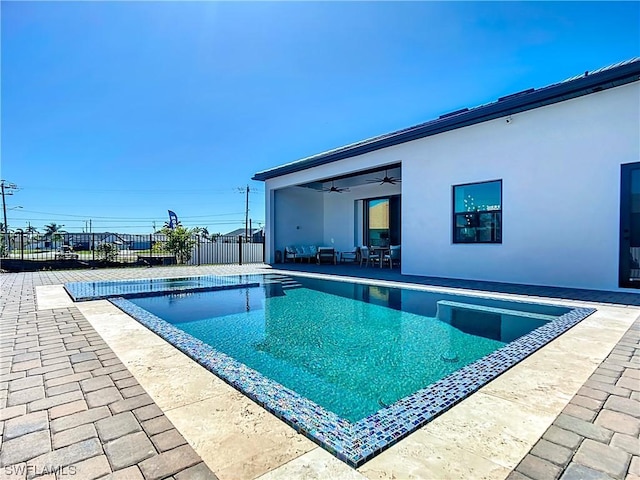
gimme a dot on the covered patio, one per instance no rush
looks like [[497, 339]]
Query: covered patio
[[340, 211]]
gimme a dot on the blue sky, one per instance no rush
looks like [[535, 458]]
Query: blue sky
[[118, 111]]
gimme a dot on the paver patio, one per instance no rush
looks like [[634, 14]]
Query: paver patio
[[69, 402]]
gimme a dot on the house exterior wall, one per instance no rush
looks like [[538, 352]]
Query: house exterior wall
[[299, 217], [560, 172]]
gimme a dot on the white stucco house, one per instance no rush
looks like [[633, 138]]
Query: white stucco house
[[541, 187]]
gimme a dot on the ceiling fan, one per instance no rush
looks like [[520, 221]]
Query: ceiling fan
[[386, 179], [335, 189]]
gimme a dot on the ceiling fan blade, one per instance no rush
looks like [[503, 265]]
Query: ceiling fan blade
[[334, 189]]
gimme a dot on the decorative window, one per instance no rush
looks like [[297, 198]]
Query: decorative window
[[477, 212]]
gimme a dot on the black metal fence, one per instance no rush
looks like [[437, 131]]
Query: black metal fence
[[24, 251]]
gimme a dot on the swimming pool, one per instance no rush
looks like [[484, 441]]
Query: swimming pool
[[355, 367]]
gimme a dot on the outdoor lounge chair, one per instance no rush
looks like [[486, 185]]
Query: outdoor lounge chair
[[366, 256]]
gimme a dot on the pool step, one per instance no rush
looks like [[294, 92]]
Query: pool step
[[445, 309], [289, 283], [500, 324]]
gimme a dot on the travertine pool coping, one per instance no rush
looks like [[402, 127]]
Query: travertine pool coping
[[486, 435]]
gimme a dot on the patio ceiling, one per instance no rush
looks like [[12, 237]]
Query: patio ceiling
[[356, 179]]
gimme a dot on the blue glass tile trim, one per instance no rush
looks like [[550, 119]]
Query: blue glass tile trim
[[356, 443]]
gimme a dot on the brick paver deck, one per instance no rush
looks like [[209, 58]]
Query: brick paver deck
[[68, 403], [597, 435], [69, 407]]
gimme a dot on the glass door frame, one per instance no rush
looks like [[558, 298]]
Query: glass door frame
[[395, 223], [626, 227]]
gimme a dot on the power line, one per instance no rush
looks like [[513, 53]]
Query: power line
[[125, 218], [137, 191]]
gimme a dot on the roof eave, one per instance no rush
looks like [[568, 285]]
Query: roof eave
[[585, 85]]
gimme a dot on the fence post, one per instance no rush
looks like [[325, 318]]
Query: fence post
[[150, 245], [198, 250], [264, 249], [239, 249], [21, 245], [93, 246]]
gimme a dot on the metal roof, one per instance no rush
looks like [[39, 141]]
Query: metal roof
[[583, 84]]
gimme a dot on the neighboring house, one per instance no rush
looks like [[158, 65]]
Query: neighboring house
[[79, 241], [256, 234], [86, 241], [540, 187]]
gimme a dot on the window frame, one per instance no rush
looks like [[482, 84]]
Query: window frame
[[497, 216]]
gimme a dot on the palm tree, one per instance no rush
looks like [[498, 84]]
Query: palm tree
[[54, 231], [32, 234], [204, 231]]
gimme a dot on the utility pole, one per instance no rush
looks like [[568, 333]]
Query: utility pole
[[7, 189], [246, 210], [246, 217]]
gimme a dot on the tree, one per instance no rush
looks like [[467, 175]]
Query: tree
[[166, 225], [180, 241], [107, 251], [32, 233], [54, 231], [204, 231]]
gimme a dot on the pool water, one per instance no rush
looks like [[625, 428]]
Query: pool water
[[351, 348]]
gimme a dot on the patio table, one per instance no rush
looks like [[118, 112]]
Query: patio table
[[381, 251]]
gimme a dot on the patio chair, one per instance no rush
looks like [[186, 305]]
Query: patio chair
[[392, 256], [366, 256], [351, 256], [326, 254]]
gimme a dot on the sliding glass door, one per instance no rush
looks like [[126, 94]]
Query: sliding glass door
[[382, 221], [629, 269]]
